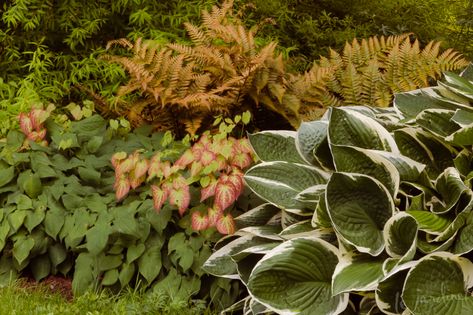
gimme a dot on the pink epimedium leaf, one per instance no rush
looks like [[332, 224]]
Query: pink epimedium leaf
[[135, 182], [117, 158], [166, 169], [124, 167], [199, 221], [209, 190], [225, 195], [122, 187], [185, 159], [241, 160], [159, 197], [38, 117], [41, 135], [141, 167], [26, 125], [236, 179], [207, 157], [225, 224], [196, 168], [244, 146], [214, 215], [181, 198], [197, 150]]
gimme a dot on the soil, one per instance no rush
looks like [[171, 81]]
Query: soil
[[53, 284]]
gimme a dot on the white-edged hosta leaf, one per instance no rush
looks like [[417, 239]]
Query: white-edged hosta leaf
[[349, 127], [458, 85], [260, 215], [312, 195], [409, 170], [295, 278], [359, 206], [311, 136], [275, 145], [464, 136], [280, 182], [463, 117], [268, 231], [400, 234], [429, 222], [388, 293], [450, 186], [437, 121], [438, 284], [347, 277], [350, 159], [464, 240], [426, 246]]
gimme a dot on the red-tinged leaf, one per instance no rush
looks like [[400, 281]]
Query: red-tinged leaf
[[141, 167], [38, 117], [166, 169], [26, 125], [241, 160], [44, 143], [237, 181], [196, 168], [181, 198], [135, 182], [34, 136], [207, 157], [225, 224], [179, 182], [122, 187], [214, 215], [159, 197], [225, 195], [185, 159], [244, 146], [204, 140], [167, 186], [41, 135], [222, 163], [124, 167], [134, 158], [117, 158], [209, 190], [199, 221], [197, 150]]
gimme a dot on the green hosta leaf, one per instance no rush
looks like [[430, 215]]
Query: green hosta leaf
[[280, 182], [463, 137], [295, 278], [97, 237], [437, 121], [22, 249], [430, 222], [463, 117], [410, 104], [351, 128], [311, 141], [461, 85], [23, 202], [400, 234], [16, 219], [134, 252], [54, 221], [388, 293], [464, 240], [40, 267], [85, 273], [277, 145], [34, 218], [110, 277], [57, 254], [126, 273], [355, 160], [409, 170], [41, 165], [30, 183], [6, 175], [450, 186], [149, 264], [4, 230], [347, 278], [359, 206], [439, 284], [107, 262]]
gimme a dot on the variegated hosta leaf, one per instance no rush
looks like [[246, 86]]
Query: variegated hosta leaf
[[280, 182], [464, 136], [400, 234], [350, 159], [451, 187], [463, 117], [295, 278], [262, 215], [311, 142], [347, 277], [388, 293], [351, 128], [275, 145], [458, 85], [429, 222], [359, 206], [409, 170], [426, 246], [439, 284], [437, 121]]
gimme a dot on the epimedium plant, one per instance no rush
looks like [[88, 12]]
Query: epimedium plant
[[368, 211], [59, 213]]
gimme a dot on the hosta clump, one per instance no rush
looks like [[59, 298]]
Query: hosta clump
[[369, 211], [59, 214]]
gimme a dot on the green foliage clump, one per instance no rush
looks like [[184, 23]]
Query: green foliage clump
[[59, 214], [369, 210]]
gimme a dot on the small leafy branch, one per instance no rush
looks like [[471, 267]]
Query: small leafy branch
[[215, 163]]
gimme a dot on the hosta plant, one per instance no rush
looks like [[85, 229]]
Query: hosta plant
[[59, 214], [368, 211]]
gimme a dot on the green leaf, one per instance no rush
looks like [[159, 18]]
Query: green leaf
[[126, 274], [23, 202], [134, 252], [85, 273], [34, 218], [107, 262], [351, 128], [430, 222], [439, 284], [97, 238], [40, 267], [400, 234], [41, 165], [257, 216], [450, 186], [16, 219], [94, 144], [280, 182], [110, 277], [278, 145], [149, 264], [89, 175], [6, 175], [359, 206], [30, 183], [295, 277], [71, 202], [4, 230], [54, 221], [437, 121], [347, 278], [57, 254], [22, 249], [409, 170], [312, 139], [89, 127], [462, 137], [388, 293]]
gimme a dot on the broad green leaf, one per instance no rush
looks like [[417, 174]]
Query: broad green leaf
[[359, 206], [409, 170], [463, 117], [149, 264], [23, 202], [85, 273], [311, 141], [437, 121], [6, 175], [97, 238], [40, 267], [450, 186], [72, 201], [16, 219], [134, 252], [430, 222], [54, 221], [280, 182], [295, 278], [89, 175], [89, 127], [351, 128], [34, 218], [275, 145], [94, 144], [110, 277], [107, 262], [464, 86], [260, 215], [464, 240], [4, 230], [347, 278], [41, 165], [355, 160], [57, 254], [462, 137], [30, 183], [22, 249], [126, 274], [439, 284], [400, 235]]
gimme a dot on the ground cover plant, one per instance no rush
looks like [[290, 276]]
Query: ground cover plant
[[369, 211], [66, 210]]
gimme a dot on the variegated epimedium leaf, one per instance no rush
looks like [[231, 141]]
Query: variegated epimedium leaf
[[349, 127], [220, 262], [388, 293], [276, 145], [437, 121], [400, 235], [280, 182], [439, 284], [350, 159], [450, 186], [312, 144], [359, 206], [295, 278], [347, 276]]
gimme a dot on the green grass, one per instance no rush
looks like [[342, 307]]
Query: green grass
[[17, 300]]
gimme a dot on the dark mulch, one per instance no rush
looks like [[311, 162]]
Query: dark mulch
[[53, 284]]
